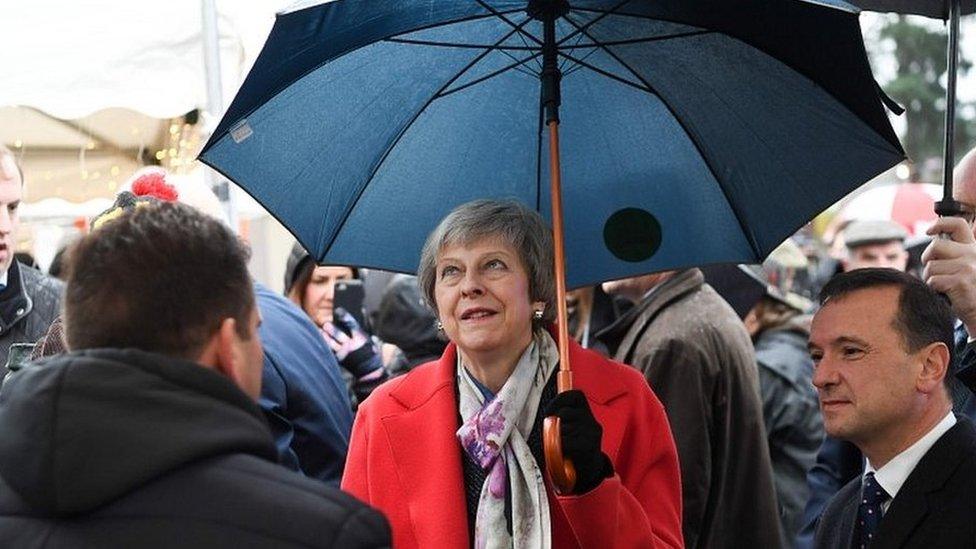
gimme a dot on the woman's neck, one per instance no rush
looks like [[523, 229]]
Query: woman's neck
[[493, 369]]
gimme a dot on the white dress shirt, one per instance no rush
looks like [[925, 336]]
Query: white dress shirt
[[893, 474]]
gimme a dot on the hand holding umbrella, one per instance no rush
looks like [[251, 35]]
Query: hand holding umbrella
[[580, 440], [950, 267]]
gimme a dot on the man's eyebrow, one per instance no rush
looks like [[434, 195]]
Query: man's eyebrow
[[839, 341], [849, 339]]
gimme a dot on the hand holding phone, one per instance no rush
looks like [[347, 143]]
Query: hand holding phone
[[350, 295]]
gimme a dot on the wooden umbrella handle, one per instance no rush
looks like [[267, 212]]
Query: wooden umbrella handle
[[561, 470]]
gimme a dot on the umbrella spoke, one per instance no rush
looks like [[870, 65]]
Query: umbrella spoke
[[519, 66], [495, 46], [581, 63], [492, 74], [582, 31], [453, 22], [638, 40], [581, 28], [579, 38], [576, 66], [501, 16]]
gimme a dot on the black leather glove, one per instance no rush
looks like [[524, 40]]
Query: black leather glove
[[581, 436]]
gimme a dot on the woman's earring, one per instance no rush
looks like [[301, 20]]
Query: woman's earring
[[537, 314], [440, 326]]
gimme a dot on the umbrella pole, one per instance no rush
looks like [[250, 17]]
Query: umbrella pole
[[564, 379], [948, 206], [561, 470]]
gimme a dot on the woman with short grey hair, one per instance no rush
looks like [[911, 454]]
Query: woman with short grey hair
[[522, 229], [452, 452]]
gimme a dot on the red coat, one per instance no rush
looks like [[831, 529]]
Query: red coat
[[405, 460]]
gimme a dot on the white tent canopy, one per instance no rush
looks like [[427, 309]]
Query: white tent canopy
[[93, 89]]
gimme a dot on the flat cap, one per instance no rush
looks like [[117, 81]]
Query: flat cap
[[864, 233]]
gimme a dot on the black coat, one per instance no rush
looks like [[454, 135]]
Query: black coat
[[28, 304], [935, 508], [122, 448]]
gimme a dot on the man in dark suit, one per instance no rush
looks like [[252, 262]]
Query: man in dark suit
[[882, 345]]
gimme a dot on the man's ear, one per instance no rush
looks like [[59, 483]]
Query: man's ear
[[227, 359], [935, 366]]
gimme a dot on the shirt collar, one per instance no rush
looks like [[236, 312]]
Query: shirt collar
[[3, 277], [893, 474]]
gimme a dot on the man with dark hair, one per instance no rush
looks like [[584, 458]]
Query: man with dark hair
[[882, 343], [147, 433], [29, 300]]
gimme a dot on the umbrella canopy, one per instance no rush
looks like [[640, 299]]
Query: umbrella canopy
[[938, 9], [693, 132]]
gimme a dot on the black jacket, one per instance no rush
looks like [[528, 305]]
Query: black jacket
[[28, 304], [123, 448], [934, 508]]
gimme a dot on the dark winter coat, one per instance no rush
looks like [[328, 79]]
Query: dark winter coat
[[697, 357], [123, 448], [303, 395], [791, 411], [28, 305]]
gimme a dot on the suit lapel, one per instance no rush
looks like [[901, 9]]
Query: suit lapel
[[849, 518], [911, 505], [428, 456]]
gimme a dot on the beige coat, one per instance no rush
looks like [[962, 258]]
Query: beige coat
[[698, 359]]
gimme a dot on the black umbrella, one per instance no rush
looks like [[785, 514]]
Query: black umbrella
[[949, 10], [937, 9]]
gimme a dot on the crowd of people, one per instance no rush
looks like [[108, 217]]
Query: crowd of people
[[157, 396]]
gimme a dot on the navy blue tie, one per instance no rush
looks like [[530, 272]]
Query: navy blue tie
[[869, 511]]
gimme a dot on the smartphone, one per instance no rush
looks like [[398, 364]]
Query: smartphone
[[350, 295], [18, 356]]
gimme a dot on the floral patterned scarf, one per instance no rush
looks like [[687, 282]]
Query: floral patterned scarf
[[494, 435]]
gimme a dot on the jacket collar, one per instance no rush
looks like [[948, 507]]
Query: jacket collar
[[15, 304], [930, 475], [624, 333]]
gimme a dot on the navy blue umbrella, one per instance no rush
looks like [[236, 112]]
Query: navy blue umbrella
[[730, 123], [693, 131]]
